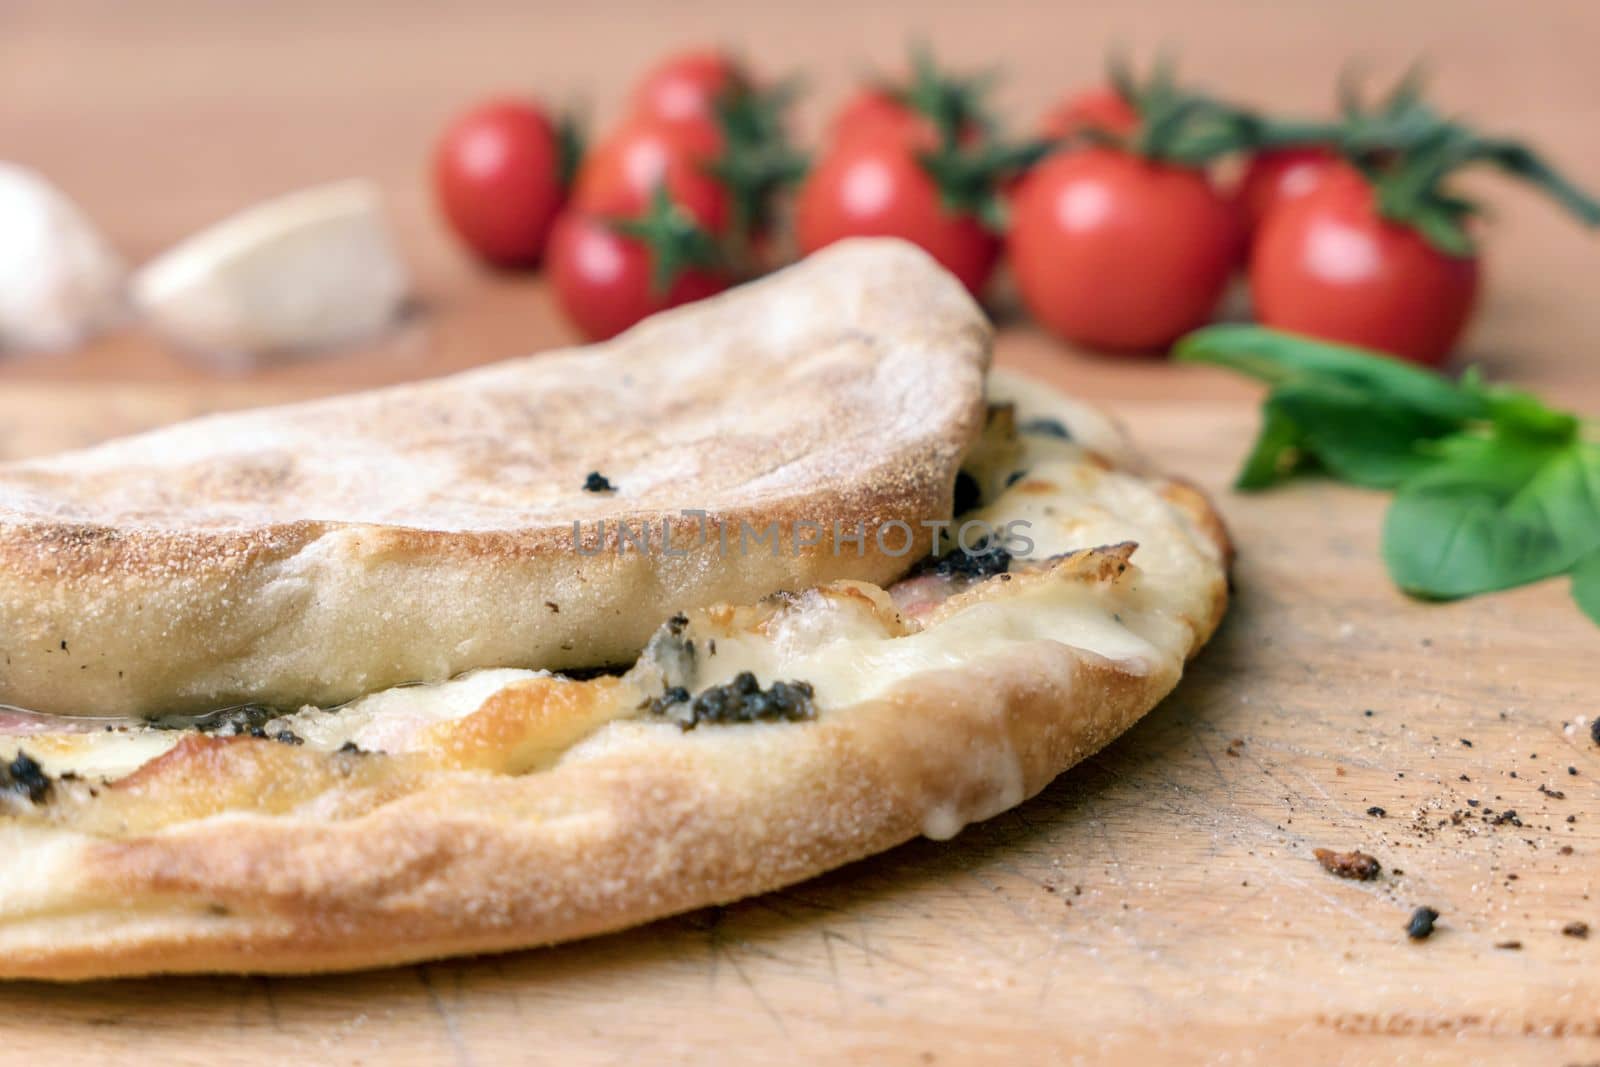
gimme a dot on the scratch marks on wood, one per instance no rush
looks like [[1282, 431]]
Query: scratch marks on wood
[[452, 1029]]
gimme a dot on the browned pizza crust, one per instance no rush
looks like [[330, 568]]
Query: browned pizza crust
[[558, 809], [315, 552], [477, 865]]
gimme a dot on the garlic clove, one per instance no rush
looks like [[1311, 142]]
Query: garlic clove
[[309, 270], [60, 281]]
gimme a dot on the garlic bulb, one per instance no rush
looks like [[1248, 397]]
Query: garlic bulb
[[60, 282]]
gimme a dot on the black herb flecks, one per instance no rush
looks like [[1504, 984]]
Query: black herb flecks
[[243, 719], [983, 561], [284, 735], [598, 483], [23, 777], [674, 695], [1420, 928], [1047, 427], [737, 701]]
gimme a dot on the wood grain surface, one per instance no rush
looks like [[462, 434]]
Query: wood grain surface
[[1158, 904]]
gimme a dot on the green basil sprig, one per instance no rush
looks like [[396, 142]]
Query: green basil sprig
[[1493, 489]]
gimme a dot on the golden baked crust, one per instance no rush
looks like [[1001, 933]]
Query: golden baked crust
[[520, 809], [316, 552]]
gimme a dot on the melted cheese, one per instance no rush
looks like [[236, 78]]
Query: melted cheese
[[390, 720], [847, 639], [855, 662]]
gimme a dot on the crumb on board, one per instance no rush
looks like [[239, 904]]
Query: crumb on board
[[1579, 930], [1353, 864], [1420, 926]]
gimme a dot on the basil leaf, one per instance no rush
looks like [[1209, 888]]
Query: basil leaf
[[1493, 513], [1586, 585], [1360, 440], [1277, 453], [1525, 415], [1277, 357]]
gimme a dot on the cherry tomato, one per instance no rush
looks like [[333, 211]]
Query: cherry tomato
[[497, 176], [602, 278], [686, 87], [1328, 265], [879, 188], [621, 173], [877, 113], [1102, 109], [1118, 252], [1275, 178]]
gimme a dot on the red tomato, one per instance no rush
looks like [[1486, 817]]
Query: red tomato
[[1327, 265], [878, 188], [1275, 178], [1102, 109], [686, 87], [497, 178], [602, 278], [1118, 252], [621, 173], [877, 113]]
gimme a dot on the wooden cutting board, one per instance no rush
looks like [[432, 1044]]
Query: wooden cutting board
[[1159, 903], [1161, 899]]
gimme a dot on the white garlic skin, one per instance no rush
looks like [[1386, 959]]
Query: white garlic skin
[[302, 273], [60, 281]]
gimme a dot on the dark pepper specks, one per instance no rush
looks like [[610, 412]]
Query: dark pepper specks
[[283, 736], [23, 777], [738, 701], [242, 719], [598, 483], [984, 561], [674, 695], [1594, 729], [1420, 928]]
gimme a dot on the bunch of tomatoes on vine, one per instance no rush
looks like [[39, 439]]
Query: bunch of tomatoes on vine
[[1123, 216]]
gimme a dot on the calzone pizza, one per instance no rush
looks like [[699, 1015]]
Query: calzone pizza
[[570, 643]]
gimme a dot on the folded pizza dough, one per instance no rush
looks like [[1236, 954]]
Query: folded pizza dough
[[750, 746], [313, 553]]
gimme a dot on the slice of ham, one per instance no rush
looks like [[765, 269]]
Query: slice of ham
[[15, 722]]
